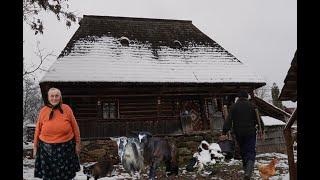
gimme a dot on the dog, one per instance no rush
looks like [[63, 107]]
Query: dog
[[157, 150], [207, 154], [131, 154], [216, 153]]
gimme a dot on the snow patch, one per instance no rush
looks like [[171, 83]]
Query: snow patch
[[233, 162], [270, 121], [27, 145]]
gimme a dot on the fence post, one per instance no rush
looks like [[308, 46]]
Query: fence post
[[289, 144]]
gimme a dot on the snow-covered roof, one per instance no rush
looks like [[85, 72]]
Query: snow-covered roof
[[95, 54], [269, 121], [269, 109]]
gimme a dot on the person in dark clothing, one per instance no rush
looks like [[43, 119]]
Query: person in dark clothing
[[243, 120]]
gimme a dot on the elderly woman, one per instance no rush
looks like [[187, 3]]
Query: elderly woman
[[56, 140]]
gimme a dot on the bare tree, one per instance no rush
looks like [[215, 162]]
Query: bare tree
[[42, 57], [32, 100], [31, 9]]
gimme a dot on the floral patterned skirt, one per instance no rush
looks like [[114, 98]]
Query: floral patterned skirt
[[56, 161]]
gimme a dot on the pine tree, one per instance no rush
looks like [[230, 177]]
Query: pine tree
[[275, 94]]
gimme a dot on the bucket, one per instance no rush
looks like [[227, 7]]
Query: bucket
[[227, 147]]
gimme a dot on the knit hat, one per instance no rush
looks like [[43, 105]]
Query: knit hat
[[242, 94]]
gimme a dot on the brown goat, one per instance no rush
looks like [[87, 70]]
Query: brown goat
[[157, 150]]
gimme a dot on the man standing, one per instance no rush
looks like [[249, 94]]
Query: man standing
[[243, 119]]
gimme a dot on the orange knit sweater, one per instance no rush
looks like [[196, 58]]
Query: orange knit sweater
[[61, 128]]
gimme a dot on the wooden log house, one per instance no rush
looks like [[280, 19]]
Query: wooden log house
[[121, 75]]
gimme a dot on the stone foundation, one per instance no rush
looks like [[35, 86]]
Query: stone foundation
[[94, 150], [187, 144]]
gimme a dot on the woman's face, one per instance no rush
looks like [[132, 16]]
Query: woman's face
[[54, 97]]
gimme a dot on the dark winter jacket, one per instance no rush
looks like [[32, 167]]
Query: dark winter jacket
[[242, 118]]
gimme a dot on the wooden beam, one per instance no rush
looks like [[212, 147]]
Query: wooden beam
[[291, 120], [289, 143]]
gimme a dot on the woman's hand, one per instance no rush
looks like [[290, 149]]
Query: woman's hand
[[78, 149], [223, 137], [34, 152]]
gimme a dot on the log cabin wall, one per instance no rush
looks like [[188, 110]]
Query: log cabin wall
[[155, 109], [274, 140], [85, 111], [156, 114]]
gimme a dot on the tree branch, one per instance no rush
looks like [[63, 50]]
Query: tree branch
[[31, 9], [42, 58]]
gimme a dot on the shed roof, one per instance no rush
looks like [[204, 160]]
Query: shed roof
[[159, 50], [270, 109], [270, 121]]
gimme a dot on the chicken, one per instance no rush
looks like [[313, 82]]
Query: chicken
[[268, 170]]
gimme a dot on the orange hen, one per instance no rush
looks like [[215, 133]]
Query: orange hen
[[268, 170]]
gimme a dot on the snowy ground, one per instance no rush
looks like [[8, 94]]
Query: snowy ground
[[27, 145], [282, 168], [227, 170]]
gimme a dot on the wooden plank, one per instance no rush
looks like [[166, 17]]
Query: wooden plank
[[124, 118], [144, 111], [83, 116], [166, 108], [124, 107], [87, 108], [127, 94], [91, 106], [289, 143]]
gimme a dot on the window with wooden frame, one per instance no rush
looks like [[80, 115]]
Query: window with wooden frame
[[110, 109]]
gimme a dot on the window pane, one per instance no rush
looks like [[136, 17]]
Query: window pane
[[105, 110], [113, 111], [210, 108]]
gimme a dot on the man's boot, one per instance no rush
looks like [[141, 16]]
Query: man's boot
[[249, 170]]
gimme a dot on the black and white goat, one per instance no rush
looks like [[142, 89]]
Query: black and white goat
[[157, 150], [130, 153], [121, 142], [208, 154]]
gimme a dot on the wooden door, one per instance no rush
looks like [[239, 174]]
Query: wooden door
[[191, 109]]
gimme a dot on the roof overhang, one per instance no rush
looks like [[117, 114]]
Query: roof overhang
[[289, 90]]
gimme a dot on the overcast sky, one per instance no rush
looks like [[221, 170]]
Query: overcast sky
[[260, 33]]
